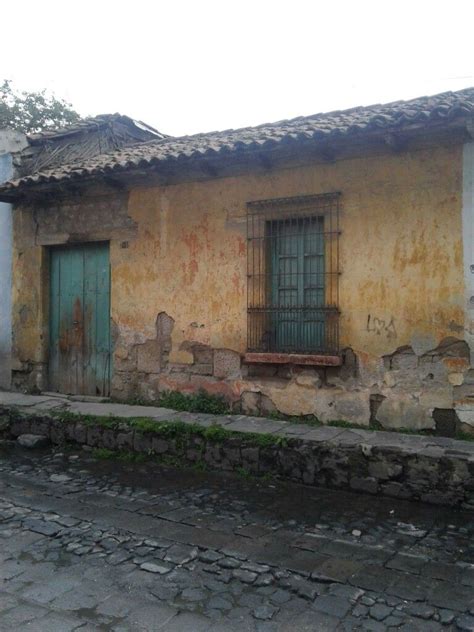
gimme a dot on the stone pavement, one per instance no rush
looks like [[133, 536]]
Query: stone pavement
[[100, 545]]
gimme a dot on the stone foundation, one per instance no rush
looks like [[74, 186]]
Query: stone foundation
[[429, 469], [400, 390]]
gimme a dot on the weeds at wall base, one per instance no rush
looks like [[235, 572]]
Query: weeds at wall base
[[118, 455], [173, 429], [203, 402], [123, 456], [200, 402], [217, 433], [441, 474]]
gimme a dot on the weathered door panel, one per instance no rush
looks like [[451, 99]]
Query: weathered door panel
[[79, 360], [97, 320]]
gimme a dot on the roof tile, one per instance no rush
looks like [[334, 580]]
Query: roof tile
[[361, 120]]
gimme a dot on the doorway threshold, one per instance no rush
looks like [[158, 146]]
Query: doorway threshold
[[90, 399]]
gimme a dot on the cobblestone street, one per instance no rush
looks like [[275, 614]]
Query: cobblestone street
[[100, 545]]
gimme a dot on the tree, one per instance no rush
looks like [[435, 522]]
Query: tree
[[31, 112]]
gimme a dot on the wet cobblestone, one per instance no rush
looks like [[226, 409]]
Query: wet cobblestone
[[108, 546]]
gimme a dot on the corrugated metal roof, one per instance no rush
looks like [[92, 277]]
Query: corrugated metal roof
[[396, 116]]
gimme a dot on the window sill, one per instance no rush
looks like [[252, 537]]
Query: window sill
[[292, 358]]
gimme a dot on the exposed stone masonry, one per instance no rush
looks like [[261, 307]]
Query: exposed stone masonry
[[400, 390], [431, 469]]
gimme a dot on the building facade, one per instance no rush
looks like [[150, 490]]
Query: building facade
[[321, 266]]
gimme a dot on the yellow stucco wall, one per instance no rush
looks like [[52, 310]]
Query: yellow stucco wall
[[28, 292], [401, 253], [401, 282]]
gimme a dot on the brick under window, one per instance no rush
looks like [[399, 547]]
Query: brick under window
[[293, 275]]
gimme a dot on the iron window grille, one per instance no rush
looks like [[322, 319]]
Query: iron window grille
[[293, 275]]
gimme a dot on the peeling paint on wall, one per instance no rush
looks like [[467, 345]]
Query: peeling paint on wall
[[179, 289]]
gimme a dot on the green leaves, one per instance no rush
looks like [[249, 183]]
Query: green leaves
[[32, 112]]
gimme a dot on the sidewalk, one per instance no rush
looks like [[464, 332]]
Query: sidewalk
[[431, 469]]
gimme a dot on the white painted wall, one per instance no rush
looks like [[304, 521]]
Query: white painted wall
[[10, 143]]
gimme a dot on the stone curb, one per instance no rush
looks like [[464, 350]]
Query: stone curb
[[436, 470]]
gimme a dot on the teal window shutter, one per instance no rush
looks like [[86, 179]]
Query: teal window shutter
[[297, 284]]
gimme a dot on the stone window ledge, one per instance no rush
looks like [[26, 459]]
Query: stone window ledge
[[292, 358]]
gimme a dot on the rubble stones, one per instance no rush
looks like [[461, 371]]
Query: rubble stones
[[178, 554], [246, 577], [151, 567], [43, 527], [209, 556], [33, 441], [404, 412], [229, 562], [226, 364], [264, 613]]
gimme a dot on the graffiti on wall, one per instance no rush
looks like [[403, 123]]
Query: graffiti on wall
[[381, 326]]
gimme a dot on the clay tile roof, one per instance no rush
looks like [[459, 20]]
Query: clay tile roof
[[391, 117]]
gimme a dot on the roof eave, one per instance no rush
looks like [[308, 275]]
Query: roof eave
[[393, 139]]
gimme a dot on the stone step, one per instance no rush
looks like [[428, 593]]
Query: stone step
[[53, 394], [90, 399]]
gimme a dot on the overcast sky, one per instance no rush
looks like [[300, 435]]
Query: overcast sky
[[192, 66]]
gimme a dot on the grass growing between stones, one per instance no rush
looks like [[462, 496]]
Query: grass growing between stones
[[118, 455], [107, 421], [203, 402], [216, 433], [168, 460], [200, 402], [176, 462], [181, 437], [173, 429], [464, 436], [244, 473]]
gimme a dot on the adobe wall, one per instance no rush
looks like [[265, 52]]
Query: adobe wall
[[401, 291], [179, 275]]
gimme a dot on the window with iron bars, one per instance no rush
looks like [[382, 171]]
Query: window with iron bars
[[293, 275]]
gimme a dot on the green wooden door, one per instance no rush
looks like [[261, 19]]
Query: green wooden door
[[298, 295], [79, 358]]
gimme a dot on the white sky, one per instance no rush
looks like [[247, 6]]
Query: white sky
[[191, 66]]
